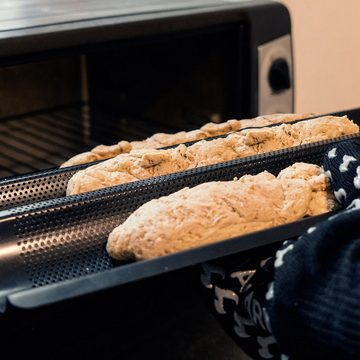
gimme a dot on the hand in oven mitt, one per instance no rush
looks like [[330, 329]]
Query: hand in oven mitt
[[305, 300], [238, 293]]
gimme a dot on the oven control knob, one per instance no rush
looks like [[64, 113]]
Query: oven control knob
[[279, 76]]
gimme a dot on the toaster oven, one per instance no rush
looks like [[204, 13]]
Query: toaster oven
[[73, 76], [76, 75]]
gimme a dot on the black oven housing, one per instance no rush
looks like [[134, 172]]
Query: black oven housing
[[186, 65], [177, 68], [84, 80]]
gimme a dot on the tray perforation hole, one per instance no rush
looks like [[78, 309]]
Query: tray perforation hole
[[61, 254]]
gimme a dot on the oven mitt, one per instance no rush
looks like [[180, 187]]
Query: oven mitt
[[314, 302], [238, 294], [342, 166], [307, 296]]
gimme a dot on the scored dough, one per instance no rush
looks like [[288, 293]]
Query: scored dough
[[220, 210], [161, 140], [145, 163]]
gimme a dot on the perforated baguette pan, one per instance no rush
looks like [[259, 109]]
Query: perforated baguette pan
[[55, 249], [51, 183]]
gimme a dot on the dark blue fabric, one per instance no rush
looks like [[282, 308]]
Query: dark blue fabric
[[345, 155], [237, 297], [309, 292], [314, 303], [315, 306]]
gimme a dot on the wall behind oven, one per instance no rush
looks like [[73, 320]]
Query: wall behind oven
[[326, 35]]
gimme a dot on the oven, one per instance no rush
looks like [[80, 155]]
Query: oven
[[77, 75]]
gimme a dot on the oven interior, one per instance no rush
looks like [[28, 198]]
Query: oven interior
[[56, 105]]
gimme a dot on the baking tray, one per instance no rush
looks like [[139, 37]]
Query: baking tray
[[55, 249], [51, 183]]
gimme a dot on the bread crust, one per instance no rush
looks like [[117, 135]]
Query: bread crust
[[147, 163], [159, 140], [216, 211]]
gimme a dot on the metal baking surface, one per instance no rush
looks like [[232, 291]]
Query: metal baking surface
[[51, 183], [55, 249]]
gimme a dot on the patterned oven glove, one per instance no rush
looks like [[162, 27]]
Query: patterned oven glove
[[307, 296], [239, 295]]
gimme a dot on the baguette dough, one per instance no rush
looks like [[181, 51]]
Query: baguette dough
[[143, 164], [161, 140], [220, 210]]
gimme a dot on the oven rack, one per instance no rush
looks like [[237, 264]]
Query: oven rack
[[45, 140]]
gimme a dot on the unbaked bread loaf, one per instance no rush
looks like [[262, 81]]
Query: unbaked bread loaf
[[143, 164], [161, 140], [220, 210]]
